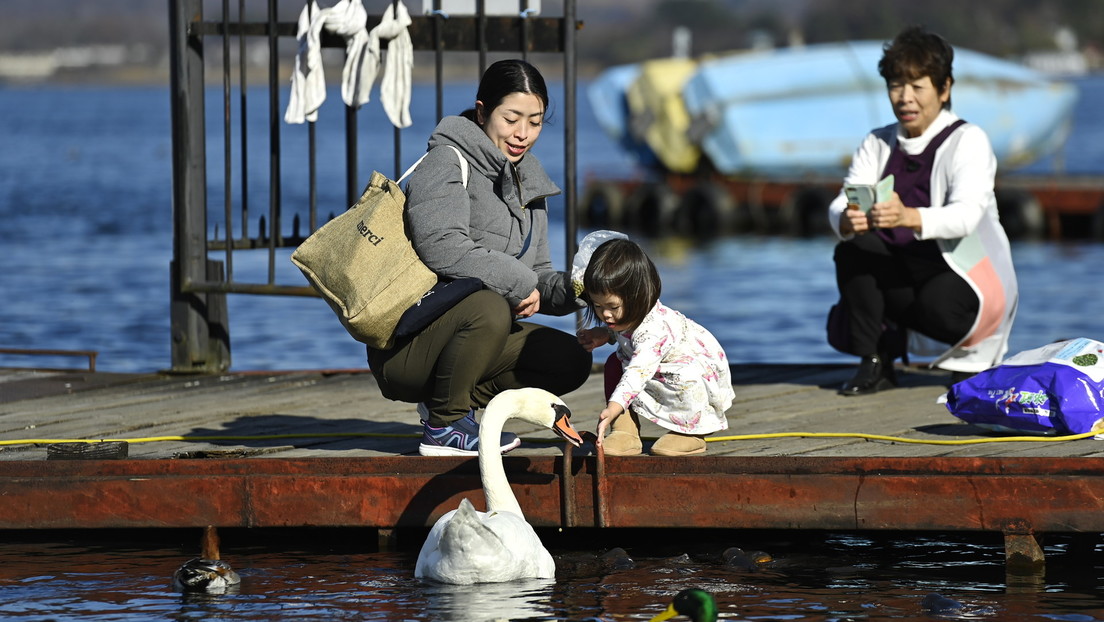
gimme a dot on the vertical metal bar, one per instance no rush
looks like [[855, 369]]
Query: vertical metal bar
[[312, 160], [396, 139], [397, 132], [351, 186], [274, 141], [227, 152], [244, 136], [481, 33], [524, 12], [601, 487], [439, 58], [570, 132], [350, 156], [312, 168], [567, 487]]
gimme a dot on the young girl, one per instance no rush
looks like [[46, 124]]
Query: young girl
[[667, 368]]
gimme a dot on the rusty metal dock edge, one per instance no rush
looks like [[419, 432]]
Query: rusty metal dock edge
[[1008, 495]]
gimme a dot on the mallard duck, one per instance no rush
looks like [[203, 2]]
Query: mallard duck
[[696, 604], [206, 573], [939, 604], [746, 560], [466, 546]]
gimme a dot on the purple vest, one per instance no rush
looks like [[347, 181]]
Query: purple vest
[[912, 182]]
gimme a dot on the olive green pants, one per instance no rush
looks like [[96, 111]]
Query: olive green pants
[[473, 352]]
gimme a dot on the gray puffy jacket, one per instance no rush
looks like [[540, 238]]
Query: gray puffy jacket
[[478, 231]]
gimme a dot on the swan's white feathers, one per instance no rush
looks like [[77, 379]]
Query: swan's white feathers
[[466, 546]]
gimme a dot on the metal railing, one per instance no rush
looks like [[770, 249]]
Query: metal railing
[[242, 29]]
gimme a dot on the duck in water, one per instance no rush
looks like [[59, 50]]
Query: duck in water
[[206, 573], [698, 605]]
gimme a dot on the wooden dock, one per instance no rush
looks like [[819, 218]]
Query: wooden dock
[[324, 448]]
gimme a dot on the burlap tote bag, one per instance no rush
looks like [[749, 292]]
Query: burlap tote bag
[[363, 265]]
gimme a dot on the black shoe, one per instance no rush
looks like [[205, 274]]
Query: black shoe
[[960, 376], [875, 374]]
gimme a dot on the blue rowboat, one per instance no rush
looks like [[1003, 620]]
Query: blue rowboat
[[804, 110]]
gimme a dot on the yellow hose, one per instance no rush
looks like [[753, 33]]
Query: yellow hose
[[714, 439]]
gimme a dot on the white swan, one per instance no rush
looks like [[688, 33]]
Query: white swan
[[466, 546]]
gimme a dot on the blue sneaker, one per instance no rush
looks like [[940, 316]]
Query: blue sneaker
[[459, 439]]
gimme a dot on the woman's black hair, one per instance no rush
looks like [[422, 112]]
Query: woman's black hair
[[505, 78], [916, 53], [620, 267]]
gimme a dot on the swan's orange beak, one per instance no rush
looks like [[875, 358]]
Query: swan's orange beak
[[562, 425]]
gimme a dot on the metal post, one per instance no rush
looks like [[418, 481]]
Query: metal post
[[570, 132], [275, 228], [438, 57], [199, 343]]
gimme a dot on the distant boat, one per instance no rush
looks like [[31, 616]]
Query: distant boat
[[804, 110], [607, 96]]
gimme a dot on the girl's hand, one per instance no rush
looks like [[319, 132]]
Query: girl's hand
[[612, 411], [591, 338]]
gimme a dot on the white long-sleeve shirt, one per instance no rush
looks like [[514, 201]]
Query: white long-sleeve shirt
[[962, 178], [963, 219]]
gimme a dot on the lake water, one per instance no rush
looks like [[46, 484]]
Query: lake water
[[85, 230], [336, 575], [85, 207]]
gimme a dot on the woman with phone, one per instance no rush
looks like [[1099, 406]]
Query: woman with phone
[[929, 269]]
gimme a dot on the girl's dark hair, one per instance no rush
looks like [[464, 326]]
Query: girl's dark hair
[[620, 267], [505, 78], [916, 53]]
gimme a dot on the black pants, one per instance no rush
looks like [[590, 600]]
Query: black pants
[[879, 282], [473, 352]]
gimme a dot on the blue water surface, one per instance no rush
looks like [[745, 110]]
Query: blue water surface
[[86, 235]]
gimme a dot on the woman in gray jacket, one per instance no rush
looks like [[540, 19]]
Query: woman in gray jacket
[[494, 228]]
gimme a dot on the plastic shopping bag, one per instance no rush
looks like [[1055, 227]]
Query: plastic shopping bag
[[1053, 390], [587, 247]]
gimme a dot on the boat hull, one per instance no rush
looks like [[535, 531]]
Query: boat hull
[[798, 111]]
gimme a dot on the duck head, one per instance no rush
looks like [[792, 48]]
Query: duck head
[[698, 605]]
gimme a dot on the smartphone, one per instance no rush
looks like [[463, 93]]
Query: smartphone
[[866, 195]]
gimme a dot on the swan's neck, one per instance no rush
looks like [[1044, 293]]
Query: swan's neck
[[496, 488]]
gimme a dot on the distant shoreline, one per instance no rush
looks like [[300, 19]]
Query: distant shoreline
[[158, 75]]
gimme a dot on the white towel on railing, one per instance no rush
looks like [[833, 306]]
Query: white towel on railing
[[396, 85], [348, 19]]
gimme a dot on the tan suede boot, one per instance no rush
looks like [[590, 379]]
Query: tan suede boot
[[676, 444], [624, 436]]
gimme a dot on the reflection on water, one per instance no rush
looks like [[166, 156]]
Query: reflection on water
[[812, 576]]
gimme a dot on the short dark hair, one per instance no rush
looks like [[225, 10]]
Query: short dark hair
[[916, 53], [505, 78], [620, 267]]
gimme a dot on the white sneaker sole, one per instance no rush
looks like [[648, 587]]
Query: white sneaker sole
[[438, 450]]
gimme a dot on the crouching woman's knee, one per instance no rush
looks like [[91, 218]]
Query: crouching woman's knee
[[484, 311]]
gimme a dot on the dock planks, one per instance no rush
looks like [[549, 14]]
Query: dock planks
[[346, 456], [769, 399]]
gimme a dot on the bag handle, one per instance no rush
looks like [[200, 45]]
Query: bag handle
[[528, 238], [463, 166]]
